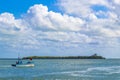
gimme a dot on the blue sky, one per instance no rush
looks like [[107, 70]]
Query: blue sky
[[59, 28], [21, 6]]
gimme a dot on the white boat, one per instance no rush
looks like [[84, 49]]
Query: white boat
[[23, 65], [19, 63]]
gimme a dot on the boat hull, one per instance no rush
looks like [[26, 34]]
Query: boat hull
[[23, 65]]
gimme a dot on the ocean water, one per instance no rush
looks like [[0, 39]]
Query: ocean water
[[62, 69]]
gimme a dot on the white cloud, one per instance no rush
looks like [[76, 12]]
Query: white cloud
[[81, 8], [40, 27], [100, 21], [55, 26], [6, 21], [49, 25], [117, 2], [10, 25], [38, 17]]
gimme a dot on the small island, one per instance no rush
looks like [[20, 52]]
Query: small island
[[94, 56]]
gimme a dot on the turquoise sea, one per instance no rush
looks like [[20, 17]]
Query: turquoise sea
[[63, 69]]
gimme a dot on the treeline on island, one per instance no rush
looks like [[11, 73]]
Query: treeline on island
[[95, 56]]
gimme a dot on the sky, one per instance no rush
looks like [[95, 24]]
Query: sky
[[59, 28]]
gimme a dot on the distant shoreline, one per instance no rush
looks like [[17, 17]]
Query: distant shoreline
[[95, 56]]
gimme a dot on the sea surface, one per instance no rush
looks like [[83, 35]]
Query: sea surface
[[63, 69]]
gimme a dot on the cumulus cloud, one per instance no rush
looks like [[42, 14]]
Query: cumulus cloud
[[101, 20], [11, 26], [81, 24], [40, 18], [81, 8], [40, 24], [100, 16]]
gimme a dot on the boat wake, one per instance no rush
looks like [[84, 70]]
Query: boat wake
[[89, 72], [5, 66]]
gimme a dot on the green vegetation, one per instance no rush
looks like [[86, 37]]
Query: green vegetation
[[95, 56]]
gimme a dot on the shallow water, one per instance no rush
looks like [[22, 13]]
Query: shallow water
[[62, 69]]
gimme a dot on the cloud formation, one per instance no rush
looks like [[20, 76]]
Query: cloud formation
[[101, 20], [40, 18], [40, 24], [92, 23], [101, 16]]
